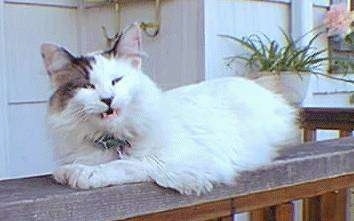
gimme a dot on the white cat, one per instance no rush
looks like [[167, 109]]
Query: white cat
[[187, 139]]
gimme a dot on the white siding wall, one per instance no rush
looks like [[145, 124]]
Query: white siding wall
[[3, 100], [26, 26], [238, 18]]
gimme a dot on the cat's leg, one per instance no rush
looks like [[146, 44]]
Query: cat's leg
[[115, 172]]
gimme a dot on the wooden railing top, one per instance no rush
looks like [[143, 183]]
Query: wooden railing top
[[327, 118], [40, 198]]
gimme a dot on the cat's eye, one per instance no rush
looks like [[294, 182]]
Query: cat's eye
[[89, 86], [114, 81]]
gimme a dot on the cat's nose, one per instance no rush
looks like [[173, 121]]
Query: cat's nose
[[107, 101]]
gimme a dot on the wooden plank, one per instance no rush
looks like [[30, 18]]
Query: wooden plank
[[274, 197], [226, 218], [331, 169], [345, 133], [311, 209], [343, 198], [256, 202], [196, 213], [342, 204], [284, 212], [309, 135], [328, 207], [327, 118], [333, 206], [262, 214]]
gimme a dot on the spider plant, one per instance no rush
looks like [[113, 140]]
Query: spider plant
[[267, 55]]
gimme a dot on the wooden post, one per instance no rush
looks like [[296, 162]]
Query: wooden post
[[343, 199], [309, 134], [284, 212], [333, 206], [311, 209], [263, 214], [226, 218], [345, 133]]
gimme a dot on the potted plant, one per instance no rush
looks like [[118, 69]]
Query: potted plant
[[284, 69]]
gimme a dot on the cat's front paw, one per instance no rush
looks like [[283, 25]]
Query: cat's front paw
[[80, 176]]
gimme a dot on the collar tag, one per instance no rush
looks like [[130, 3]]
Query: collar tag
[[107, 142]]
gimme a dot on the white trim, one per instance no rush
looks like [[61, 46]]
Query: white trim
[[3, 100], [55, 3], [316, 3], [302, 20], [201, 45]]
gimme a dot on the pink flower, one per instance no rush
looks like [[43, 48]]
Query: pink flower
[[338, 20]]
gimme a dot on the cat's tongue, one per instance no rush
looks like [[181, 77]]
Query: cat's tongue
[[109, 114]]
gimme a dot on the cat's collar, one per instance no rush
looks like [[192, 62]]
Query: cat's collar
[[109, 142]]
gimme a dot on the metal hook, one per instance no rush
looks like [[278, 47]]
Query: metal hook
[[109, 40], [152, 29]]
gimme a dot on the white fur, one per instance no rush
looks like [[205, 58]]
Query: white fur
[[187, 139]]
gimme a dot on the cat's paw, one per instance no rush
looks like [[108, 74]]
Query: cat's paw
[[80, 176]]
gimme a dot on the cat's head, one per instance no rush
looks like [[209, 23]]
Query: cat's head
[[97, 87]]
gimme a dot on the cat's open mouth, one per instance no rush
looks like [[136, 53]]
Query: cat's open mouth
[[110, 113]]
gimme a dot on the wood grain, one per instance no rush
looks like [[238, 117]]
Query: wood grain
[[311, 209], [279, 196], [284, 212], [330, 206], [198, 213], [328, 118], [309, 135], [333, 206], [262, 214], [345, 133]]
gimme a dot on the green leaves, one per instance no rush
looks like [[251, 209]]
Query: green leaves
[[265, 54]]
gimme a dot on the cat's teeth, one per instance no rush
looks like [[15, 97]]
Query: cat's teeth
[[112, 115]]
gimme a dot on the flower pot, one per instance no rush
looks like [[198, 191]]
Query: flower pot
[[291, 85]]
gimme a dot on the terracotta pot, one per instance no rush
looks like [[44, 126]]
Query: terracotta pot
[[291, 85]]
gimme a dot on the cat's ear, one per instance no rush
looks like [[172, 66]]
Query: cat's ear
[[55, 58], [59, 64], [129, 45]]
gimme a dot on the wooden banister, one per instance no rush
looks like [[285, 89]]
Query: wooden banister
[[341, 119], [327, 118], [302, 171]]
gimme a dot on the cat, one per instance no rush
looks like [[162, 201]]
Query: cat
[[188, 139]]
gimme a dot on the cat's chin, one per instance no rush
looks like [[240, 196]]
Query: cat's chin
[[110, 114]]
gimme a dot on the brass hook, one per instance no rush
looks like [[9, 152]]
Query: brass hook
[[154, 27], [151, 29], [111, 40]]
